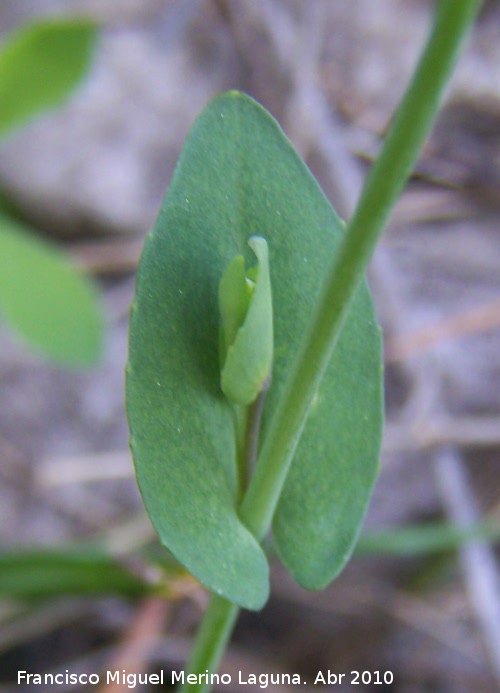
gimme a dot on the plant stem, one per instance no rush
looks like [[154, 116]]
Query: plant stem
[[385, 182], [247, 422], [252, 432], [211, 641]]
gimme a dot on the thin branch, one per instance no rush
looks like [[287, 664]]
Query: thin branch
[[136, 648], [478, 561], [482, 318], [462, 431]]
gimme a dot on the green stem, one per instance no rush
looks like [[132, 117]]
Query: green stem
[[252, 433], [211, 641], [385, 182], [247, 428]]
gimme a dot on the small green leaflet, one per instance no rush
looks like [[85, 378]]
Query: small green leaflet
[[247, 326]]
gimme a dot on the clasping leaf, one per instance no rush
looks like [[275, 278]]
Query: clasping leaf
[[237, 174]]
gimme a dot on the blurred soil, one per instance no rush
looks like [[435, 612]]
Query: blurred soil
[[92, 175]]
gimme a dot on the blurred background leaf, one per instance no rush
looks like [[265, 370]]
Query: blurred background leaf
[[40, 65], [42, 296], [48, 302], [48, 572]]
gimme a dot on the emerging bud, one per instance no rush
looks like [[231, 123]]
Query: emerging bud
[[246, 343]]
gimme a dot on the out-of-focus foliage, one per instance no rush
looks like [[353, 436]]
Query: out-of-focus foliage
[[50, 304], [43, 573], [46, 299], [39, 67]]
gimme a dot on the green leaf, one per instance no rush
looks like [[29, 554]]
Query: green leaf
[[326, 494], [42, 573], [247, 325], [46, 300], [39, 66], [239, 176]]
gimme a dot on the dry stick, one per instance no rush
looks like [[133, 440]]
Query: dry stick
[[478, 561], [432, 431], [482, 318], [311, 123], [137, 645]]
